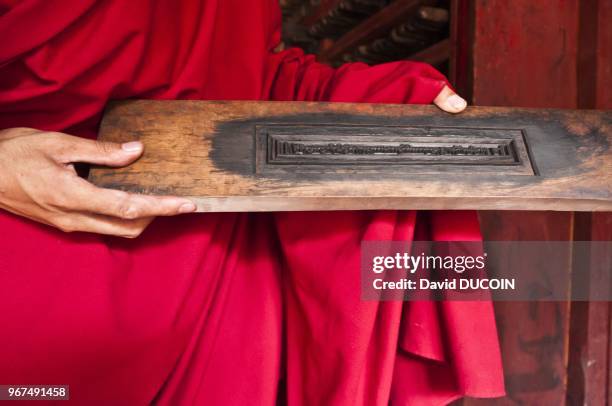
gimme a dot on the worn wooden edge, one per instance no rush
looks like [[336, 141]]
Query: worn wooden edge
[[343, 203]]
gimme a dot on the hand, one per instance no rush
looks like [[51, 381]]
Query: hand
[[450, 101], [38, 181]]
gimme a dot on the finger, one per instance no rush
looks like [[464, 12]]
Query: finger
[[86, 197], [71, 149], [450, 101], [87, 222], [98, 224]]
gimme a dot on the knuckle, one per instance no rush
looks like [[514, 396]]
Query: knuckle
[[128, 212], [127, 209], [49, 143], [65, 224], [49, 139], [105, 148]]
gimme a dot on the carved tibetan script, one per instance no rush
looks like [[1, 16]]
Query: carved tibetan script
[[322, 148]]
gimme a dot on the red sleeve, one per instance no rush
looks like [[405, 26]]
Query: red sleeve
[[299, 77]]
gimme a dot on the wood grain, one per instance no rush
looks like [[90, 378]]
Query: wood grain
[[209, 151]]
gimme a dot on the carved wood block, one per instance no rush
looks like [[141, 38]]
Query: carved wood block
[[273, 156]]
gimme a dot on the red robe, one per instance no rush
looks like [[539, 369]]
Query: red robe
[[227, 309]]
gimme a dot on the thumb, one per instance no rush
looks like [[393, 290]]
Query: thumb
[[102, 153], [450, 101]]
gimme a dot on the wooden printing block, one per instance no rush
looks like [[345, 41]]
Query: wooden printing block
[[275, 156]]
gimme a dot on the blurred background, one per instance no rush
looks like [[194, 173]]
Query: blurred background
[[386, 31], [519, 53]]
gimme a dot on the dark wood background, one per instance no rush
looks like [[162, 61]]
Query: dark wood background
[[548, 53]]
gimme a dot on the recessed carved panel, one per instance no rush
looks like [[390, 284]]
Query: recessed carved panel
[[326, 148]]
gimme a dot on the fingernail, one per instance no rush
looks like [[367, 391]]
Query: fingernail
[[187, 208], [456, 102], [132, 146]]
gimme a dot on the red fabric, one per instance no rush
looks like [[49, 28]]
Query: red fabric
[[216, 309]]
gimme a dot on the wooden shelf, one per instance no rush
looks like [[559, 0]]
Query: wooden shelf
[[374, 27]]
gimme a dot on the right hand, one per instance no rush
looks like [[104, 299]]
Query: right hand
[[449, 101], [38, 181]]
